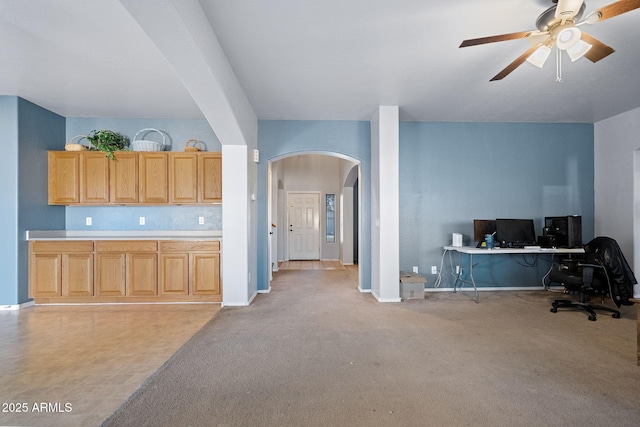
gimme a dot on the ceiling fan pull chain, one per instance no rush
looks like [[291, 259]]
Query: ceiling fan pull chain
[[558, 66]]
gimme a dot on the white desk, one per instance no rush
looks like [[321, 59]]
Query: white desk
[[472, 250]]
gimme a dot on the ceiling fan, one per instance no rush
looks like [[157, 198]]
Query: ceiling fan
[[558, 26]]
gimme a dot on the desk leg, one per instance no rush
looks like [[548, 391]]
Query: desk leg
[[473, 282]]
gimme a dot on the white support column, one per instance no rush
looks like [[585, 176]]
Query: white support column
[[235, 226], [385, 224]]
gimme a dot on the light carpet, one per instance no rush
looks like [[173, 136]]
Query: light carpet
[[316, 352]]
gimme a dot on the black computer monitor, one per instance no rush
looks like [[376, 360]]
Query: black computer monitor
[[515, 233], [482, 227]]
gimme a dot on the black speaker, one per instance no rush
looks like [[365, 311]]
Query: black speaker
[[574, 231]]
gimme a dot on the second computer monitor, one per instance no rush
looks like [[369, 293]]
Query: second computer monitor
[[515, 233]]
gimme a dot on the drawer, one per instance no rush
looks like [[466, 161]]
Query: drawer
[[190, 246], [60, 246], [126, 246]]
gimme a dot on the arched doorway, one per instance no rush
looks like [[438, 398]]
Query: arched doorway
[[331, 176]]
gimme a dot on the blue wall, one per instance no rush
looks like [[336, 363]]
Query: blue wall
[[27, 131], [452, 173], [9, 197], [281, 138], [177, 132]]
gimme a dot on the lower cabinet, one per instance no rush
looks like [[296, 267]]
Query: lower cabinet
[[124, 271], [190, 268], [61, 268], [126, 267]]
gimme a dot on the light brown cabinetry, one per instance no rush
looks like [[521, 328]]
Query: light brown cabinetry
[[190, 268], [125, 271], [210, 178], [123, 178], [64, 177], [195, 178], [61, 268], [151, 178], [94, 178], [183, 178], [125, 267]]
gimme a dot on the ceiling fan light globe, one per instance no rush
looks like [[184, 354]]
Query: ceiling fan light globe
[[568, 37], [578, 50], [539, 56]]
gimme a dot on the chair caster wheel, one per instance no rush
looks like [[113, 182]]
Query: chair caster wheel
[[616, 315], [592, 318], [553, 310]]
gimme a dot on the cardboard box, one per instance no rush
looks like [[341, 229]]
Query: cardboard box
[[411, 285]]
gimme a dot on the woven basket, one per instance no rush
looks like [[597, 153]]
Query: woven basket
[[74, 146], [193, 145], [147, 144]]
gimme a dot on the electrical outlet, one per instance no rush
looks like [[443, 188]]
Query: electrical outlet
[[201, 220], [142, 221], [87, 220], [457, 269], [415, 269], [434, 269]]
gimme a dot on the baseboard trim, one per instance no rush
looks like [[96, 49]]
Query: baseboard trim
[[377, 297], [49, 304], [13, 307], [490, 288], [264, 291]]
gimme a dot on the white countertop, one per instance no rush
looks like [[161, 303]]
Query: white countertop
[[123, 234]]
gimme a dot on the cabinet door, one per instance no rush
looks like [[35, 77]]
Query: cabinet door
[[64, 177], [142, 274], [154, 178], [210, 178], [77, 275], [174, 275], [205, 274], [94, 178], [110, 274], [46, 275], [123, 175], [183, 178]]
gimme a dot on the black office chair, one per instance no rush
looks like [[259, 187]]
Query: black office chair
[[603, 272]]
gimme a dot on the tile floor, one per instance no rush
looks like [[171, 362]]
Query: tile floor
[[75, 365]]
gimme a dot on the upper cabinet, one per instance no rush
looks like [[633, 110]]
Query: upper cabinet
[[149, 178], [123, 178], [153, 179], [64, 178], [183, 178], [94, 178], [210, 178]]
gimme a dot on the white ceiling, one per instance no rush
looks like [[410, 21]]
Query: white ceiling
[[318, 60]]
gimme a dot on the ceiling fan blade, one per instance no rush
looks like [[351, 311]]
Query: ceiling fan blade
[[613, 10], [515, 64], [499, 38], [598, 49], [567, 9]]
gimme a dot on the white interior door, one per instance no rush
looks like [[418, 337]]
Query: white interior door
[[304, 226]]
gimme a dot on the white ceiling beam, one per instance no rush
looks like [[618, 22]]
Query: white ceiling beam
[[182, 33]]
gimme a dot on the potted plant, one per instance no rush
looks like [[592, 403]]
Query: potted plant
[[108, 141]]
